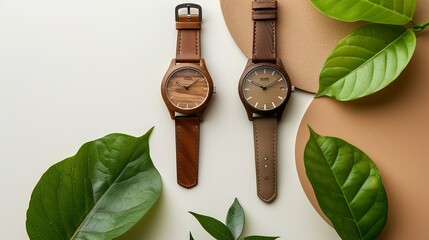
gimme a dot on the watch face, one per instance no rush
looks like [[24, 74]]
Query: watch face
[[187, 88], [265, 88]]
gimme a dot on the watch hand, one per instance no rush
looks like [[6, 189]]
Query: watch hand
[[272, 83], [192, 84], [182, 85], [257, 84]]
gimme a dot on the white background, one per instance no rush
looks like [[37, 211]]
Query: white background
[[72, 71]]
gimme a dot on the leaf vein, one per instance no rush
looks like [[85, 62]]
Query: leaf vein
[[348, 203]]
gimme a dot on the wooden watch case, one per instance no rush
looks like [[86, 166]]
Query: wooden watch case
[[201, 67], [250, 110]]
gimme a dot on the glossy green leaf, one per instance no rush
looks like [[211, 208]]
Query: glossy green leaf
[[395, 12], [366, 61], [259, 238], [214, 227], [235, 219], [99, 193], [347, 185]]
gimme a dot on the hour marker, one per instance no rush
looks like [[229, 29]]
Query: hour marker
[[280, 97], [249, 98], [256, 104], [187, 105], [273, 72], [279, 79], [273, 104], [249, 80], [256, 73], [196, 104], [265, 106], [178, 104], [204, 88], [282, 89], [246, 89], [196, 73], [265, 70]]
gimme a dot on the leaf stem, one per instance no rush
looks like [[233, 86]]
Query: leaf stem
[[419, 27]]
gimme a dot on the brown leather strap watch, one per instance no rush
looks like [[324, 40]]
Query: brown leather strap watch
[[187, 89], [264, 89]]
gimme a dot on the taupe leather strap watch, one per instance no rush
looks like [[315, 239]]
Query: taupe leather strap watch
[[264, 89], [187, 89]]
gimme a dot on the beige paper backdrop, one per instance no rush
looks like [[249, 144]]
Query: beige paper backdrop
[[390, 126]]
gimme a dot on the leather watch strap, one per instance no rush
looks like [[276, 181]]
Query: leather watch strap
[[265, 138], [187, 150], [264, 17], [188, 38]]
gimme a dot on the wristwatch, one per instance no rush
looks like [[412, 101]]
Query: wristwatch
[[264, 89], [186, 90]]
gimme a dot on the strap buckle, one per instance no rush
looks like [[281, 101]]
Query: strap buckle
[[189, 6]]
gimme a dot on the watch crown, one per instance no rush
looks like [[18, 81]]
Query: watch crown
[[292, 88], [214, 90]]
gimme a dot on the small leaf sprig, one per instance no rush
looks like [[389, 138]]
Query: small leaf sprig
[[373, 56], [233, 227], [419, 27]]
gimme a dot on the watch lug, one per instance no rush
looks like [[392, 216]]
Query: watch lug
[[280, 114], [172, 63], [201, 113], [279, 63], [172, 113], [249, 62], [203, 63], [249, 114]]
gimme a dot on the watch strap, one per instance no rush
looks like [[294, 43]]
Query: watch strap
[[188, 35], [265, 139], [187, 150], [264, 15]]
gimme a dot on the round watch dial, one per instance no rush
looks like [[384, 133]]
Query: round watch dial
[[265, 88], [187, 88]]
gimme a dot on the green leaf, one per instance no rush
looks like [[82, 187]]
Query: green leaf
[[396, 12], [99, 193], [366, 61], [190, 236], [259, 238], [235, 219], [347, 185], [214, 227]]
